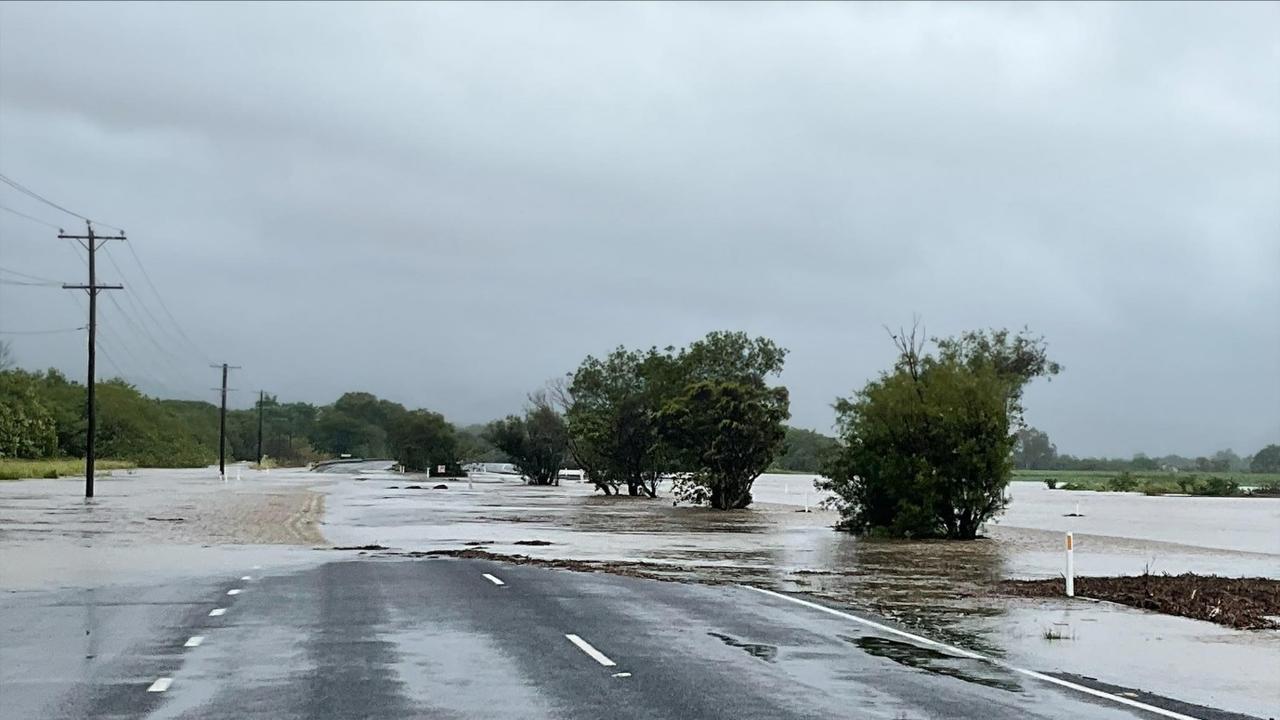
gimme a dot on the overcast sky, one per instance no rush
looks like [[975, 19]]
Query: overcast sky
[[446, 205]]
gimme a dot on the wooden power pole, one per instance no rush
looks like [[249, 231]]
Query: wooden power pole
[[261, 400], [222, 421], [91, 241]]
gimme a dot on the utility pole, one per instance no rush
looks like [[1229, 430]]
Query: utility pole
[[222, 421], [261, 399], [90, 242]]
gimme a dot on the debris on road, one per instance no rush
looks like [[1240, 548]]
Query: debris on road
[[1242, 603]]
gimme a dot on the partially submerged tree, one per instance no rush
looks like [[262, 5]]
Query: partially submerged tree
[[536, 443], [725, 434], [612, 408], [425, 441], [927, 447], [616, 406]]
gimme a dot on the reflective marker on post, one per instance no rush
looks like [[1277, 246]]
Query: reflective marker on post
[[1071, 569]]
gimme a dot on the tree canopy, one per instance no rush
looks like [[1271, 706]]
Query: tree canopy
[[536, 443], [927, 447], [622, 411]]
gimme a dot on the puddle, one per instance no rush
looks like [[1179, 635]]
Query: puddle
[[939, 663], [767, 653]]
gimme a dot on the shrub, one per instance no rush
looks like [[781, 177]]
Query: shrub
[[1216, 486], [1124, 482], [1051, 483]]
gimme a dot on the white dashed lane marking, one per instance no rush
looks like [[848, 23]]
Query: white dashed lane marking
[[194, 641], [160, 685], [234, 591], [493, 579], [217, 611], [595, 654]]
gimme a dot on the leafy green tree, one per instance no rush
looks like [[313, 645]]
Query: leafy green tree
[[338, 433], [1143, 463], [1267, 460], [725, 433], [927, 447], [536, 444], [423, 440], [1032, 450], [611, 407], [805, 451], [27, 425], [613, 404], [474, 448]]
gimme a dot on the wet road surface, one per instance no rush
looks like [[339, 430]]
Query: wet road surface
[[428, 638]]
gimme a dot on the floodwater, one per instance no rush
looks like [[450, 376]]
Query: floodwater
[[170, 523], [1244, 524]]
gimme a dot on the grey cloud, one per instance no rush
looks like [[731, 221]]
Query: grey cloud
[[486, 193]]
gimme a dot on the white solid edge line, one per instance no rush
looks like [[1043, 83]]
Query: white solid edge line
[[493, 579], [217, 611], [595, 654], [194, 641], [966, 653], [160, 685]]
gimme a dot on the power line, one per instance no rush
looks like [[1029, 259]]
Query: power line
[[33, 194], [137, 260], [32, 219], [140, 308], [4, 281], [146, 276], [28, 275], [42, 332]]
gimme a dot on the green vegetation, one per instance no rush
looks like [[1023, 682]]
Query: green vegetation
[[706, 411], [928, 446], [537, 443], [1034, 451], [1267, 460], [1158, 483], [804, 451], [13, 469], [42, 417]]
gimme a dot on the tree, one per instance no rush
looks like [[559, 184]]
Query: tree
[[338, 433], [805, 451], [424, 441], [927, 447], [1267, 460], [725, 433], [1142, 462], [473, 448], [1032, 450], [613, 404], [27, 426], [536, 443], [612, 407]]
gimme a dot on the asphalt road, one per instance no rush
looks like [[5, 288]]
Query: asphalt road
[[441, 638]]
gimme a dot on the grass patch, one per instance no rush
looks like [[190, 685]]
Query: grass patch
[[17, 469], [1157, 483]]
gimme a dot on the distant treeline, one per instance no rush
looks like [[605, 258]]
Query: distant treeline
[[1034, 451], [42, 415]]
